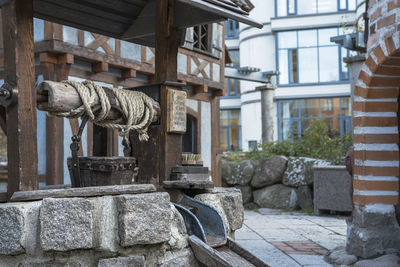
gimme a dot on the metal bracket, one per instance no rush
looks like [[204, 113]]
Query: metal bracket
[[8, 94]]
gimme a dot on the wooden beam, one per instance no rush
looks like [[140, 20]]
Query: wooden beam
[[99, 67], [216, 153], [56, 69], [200, 89], [3, 119], [129, 73], [17, 21]]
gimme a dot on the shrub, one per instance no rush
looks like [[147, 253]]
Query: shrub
[[317, 141]]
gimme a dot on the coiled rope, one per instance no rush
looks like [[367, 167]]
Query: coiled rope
[[137, 109]]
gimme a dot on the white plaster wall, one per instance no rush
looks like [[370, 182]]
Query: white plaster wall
[[206, 141], [251, 124]]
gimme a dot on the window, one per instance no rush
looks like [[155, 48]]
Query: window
[[232, 87], [232, 29], [189, 140], [295, 115], [304, 7], [230, 131], [202, 37], [308, 56]]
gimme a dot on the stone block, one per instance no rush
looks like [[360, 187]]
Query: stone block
[[276, 197], [339, 256], [269, 171], [299, 171], [179, 237], [66, 224], [228, 201], [304, 195], [144, 219], [383, 261], [377, 215], [134, 261], [247, 193], [11, 230], [50, 264], [332, 189], [237, 173]]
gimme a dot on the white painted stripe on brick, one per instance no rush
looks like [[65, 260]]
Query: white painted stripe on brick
[[376, 130], [374, 114], [376, 163], [374, 193], [362, 99], [380, 208], [376, 147], [376, 178]]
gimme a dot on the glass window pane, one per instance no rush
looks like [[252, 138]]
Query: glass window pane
[[344, 69], [289, 108], [324, 36], [327, 6], [306, 7], [346, 106], [231, 86], [292, 7], [223, 138], [343, 4], [235, 138], [224, 117], [307, 38], [328, 64], [351, 4], [308, 65], [287, 39], [330, 107], [235, 117], [293, 68], [309, 107], [333, 126], [283, 67], [347, 125], [282, 7]]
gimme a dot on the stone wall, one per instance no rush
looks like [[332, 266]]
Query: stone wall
[[124, 230], [276, 182]]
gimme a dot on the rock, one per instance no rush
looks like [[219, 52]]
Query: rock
[[12, 230], [66, 224], [276, 197], [269, 171], [228, 201], [383, 261], [250, 206], [179, 237], [339, 256], [51, 264], [237, 173], [304, 197], [182, 258], [136, 261], [299, 171], [144, 218], [247, 193]]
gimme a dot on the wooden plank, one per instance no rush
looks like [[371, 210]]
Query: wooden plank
[[216, 152], [3, 119], [99, 67], [17, 18], [83, 192], [144, 24], [129, 73], [3, 197]]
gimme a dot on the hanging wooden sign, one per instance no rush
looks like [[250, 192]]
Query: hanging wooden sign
[[176, 111]]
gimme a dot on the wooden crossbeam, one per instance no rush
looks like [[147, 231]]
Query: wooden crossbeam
[[99, 67], [129, 73]]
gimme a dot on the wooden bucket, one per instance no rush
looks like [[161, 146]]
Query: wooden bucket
[[100, 171]]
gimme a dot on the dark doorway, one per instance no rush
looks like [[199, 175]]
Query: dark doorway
[[189, 140]]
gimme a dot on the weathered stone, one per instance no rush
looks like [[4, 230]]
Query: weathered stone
[[373, 231], [144, 218], [83, 192], [179, 237], [237, 173], [339, 256], [50, 264], [299, 171], [332, 189], [304, 196], [136, 261], [247, 193], [276, 197], [66, 224], [250, 206], [383, 261], [12, 230], [269, 171], [228, 201], [182, 258]]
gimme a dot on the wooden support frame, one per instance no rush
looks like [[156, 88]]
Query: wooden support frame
[[55, 67], [17, 19]]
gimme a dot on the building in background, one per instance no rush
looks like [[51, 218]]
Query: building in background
[[313, 81]]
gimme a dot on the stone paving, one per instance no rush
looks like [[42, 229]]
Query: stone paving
[[291, 239]]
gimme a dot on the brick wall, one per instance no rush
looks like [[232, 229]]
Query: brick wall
[[376, 135]]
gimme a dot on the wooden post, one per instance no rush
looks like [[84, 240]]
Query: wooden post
[[166, 69], [55, 68], [17, 18]]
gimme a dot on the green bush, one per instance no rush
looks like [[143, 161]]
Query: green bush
[[317, 141]]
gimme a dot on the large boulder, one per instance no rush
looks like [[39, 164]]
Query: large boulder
[[247, 193], [299, 171], [276, 197], [304, 196], [269, 171], [237, 173]]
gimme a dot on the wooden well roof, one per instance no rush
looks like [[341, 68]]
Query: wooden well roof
[[134, 20]]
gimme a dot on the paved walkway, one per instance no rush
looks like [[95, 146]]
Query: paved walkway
[[291, 239]]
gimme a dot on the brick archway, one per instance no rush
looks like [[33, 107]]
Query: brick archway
[[374, 229]]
